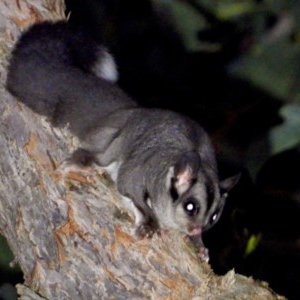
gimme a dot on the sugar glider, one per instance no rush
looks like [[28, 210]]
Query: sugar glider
[[162, 161]]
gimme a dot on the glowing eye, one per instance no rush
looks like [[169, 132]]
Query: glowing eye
[[191, 208], [214, 217]]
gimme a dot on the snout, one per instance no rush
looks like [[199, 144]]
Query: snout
[[195, 230]]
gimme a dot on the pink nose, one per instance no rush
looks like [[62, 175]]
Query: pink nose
[[195, 231]]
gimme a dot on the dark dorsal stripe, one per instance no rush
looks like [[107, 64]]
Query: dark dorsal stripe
[[210, 195]]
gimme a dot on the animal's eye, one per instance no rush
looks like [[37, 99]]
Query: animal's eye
[[214, 218], [191, 207]]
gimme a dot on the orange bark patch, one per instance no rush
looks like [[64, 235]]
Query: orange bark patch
[[38, 152], [68, 229], [122, 238], [71, 226]]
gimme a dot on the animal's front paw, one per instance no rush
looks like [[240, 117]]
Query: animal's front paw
[[68, 166], [69, 169], [145, 231], [203, 254], [202, 251]]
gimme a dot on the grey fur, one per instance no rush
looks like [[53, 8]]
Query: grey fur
[[164, 162]]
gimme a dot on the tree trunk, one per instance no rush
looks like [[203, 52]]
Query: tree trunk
[[71, 235]]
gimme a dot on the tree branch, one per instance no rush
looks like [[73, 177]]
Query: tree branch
[[71, 235]]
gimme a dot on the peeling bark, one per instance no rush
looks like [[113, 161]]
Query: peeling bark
[[71, 235]]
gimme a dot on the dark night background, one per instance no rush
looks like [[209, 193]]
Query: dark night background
[[234, 67]]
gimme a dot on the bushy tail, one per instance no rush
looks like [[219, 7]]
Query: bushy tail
[[61, 72]]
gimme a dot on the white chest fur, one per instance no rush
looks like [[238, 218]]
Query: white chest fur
[[113, 170]]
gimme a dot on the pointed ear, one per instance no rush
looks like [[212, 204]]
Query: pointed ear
[[227, 184], [186, 171]]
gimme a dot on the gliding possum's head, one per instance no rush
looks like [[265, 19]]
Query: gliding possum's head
[[196, 197]]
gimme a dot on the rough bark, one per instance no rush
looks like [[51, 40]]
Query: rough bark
[[71, 235]]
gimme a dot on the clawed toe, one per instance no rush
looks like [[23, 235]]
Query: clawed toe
[[68, 166], [145, 231], [203, 254]]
